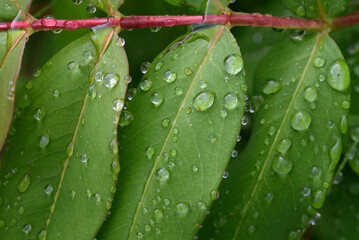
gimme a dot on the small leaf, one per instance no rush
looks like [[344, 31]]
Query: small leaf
[[177, 137], [283, 174], [10, 9], [339, 217], [60, 168], [316, 8], [11, 49], [203, 6]]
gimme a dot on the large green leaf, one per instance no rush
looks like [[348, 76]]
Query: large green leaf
[[339, 216], [11, 49], [10, 9], [316, 8], [107, 6], [282, 176], [203, 6], [183, 125], [60, 168]]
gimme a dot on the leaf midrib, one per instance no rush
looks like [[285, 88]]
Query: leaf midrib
[[152, 173], [260, 176], [62, 175]]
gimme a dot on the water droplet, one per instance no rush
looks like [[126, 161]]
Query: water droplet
[[162, 175], [202, 84], [98, 76], [188, 71], [272, 87], [284, 146], [24, 183], [77, 2], [346, 105], [319, 197], [73, 67], [297, 35], [131, 93], [44, 141], [178, 91], [170, 76], [300, 120], [269, 198], [158, 66], [48, 189], [188, 110], [150, 151], [144, 67], [300, 11], [319, 62], [234, 153], [56, 93], [335, 153], [114, 146], [157, 99], [225, 175], [201, 205], [110, 80], [223, 113], [233, 64], [39, 114], [343, 125], [165, 122], [158, 215], [182, 209], [97, 197], [121, 42], [117, 105], [146, 85], [281, 165], [339, 77], [25, 101], [231, 101], [91, 8], [73, 194], [27, 229], [306, 191], [194, 168], [21, 211], [214, 194], [310, 94], [251, 228], [125, 119], [203, 100]]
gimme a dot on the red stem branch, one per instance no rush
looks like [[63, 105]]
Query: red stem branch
[[234, 19]]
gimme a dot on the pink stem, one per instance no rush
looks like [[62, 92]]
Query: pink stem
[[234, 19]]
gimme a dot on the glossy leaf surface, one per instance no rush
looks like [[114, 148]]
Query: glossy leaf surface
[[204, 6], [60, 168], [177, 135], [11, 49], [10, 9], [316, 8], [276, 184], [339, 216]]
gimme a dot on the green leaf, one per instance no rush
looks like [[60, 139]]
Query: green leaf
[[10, 9], [108, 6], [12, 45], [339, 216], [281, 177], [177, 144], [203, 6], [346, 38], [316, 8], [60, 168]]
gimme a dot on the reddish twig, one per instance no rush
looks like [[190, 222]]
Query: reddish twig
[[234, 19]]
